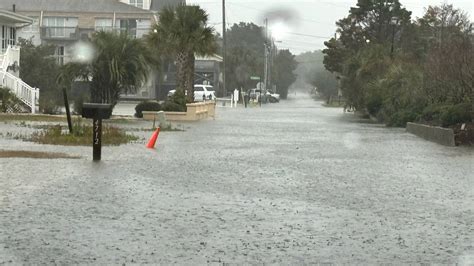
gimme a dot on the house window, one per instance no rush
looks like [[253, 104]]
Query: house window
[[59, 55], [128, 25], [143, 27], [60, 27], [4, 39], [137, 3], [55, 26], [103, 24], [12, 36], [8, 37]]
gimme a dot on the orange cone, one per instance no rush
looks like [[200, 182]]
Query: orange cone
[[154, 137]]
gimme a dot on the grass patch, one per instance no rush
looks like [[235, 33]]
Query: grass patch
[[82, 136], [35, 155], [38, 118], [55, 118]]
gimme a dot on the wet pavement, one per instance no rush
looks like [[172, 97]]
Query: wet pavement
[[290, 183]]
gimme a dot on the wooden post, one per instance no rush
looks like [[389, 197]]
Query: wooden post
[[68, 113], [97, 139]]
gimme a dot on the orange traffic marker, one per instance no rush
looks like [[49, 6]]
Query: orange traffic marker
[[154, 137]]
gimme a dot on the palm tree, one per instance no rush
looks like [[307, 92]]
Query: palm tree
[[182, 32], [120, 64]]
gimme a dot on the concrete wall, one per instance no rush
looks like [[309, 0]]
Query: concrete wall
[[443, 136], [195, 112]]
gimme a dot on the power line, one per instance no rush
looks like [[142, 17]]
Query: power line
[[308, 35], [297, 41]]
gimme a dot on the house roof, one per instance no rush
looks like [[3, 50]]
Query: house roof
[[14, 18], [157, 5], [92, 6]]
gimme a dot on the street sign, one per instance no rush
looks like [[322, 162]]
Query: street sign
[[254, 78]]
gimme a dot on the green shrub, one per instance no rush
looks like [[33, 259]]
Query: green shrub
[[146, 106], [432, 113], [173, 107], [7, 98], [176, 103], [49, 102], [459, 113], [179, 98], [401, 118], [374, 104]]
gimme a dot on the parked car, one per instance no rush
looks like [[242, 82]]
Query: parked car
[[273, 97], [171, 93], [201, 92]]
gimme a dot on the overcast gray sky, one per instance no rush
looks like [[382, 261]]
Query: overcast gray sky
[[314, 19]]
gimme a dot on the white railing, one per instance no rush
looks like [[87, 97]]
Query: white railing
[[27, 94]]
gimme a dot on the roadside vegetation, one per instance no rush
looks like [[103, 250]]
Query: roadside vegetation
[[402, 70], [82, 136], [35, 155], [39, 69], [7, 99]]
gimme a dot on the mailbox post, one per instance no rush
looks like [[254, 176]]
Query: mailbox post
[[97, 112]]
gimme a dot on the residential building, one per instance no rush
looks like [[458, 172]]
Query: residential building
[[63, 23]]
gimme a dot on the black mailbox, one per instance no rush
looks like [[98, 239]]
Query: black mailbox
[[96, 110]]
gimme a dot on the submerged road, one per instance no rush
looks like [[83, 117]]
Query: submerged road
[[290, 183]]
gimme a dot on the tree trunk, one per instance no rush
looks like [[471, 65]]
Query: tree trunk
[[189, 81], [181, 64]]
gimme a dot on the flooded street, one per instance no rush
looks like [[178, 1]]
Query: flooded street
[[288, 183]]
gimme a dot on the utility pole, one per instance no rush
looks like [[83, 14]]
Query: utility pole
[[223, 49], [270, 63], [266, 55]]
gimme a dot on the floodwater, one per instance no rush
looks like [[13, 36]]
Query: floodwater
[[288, 183]]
